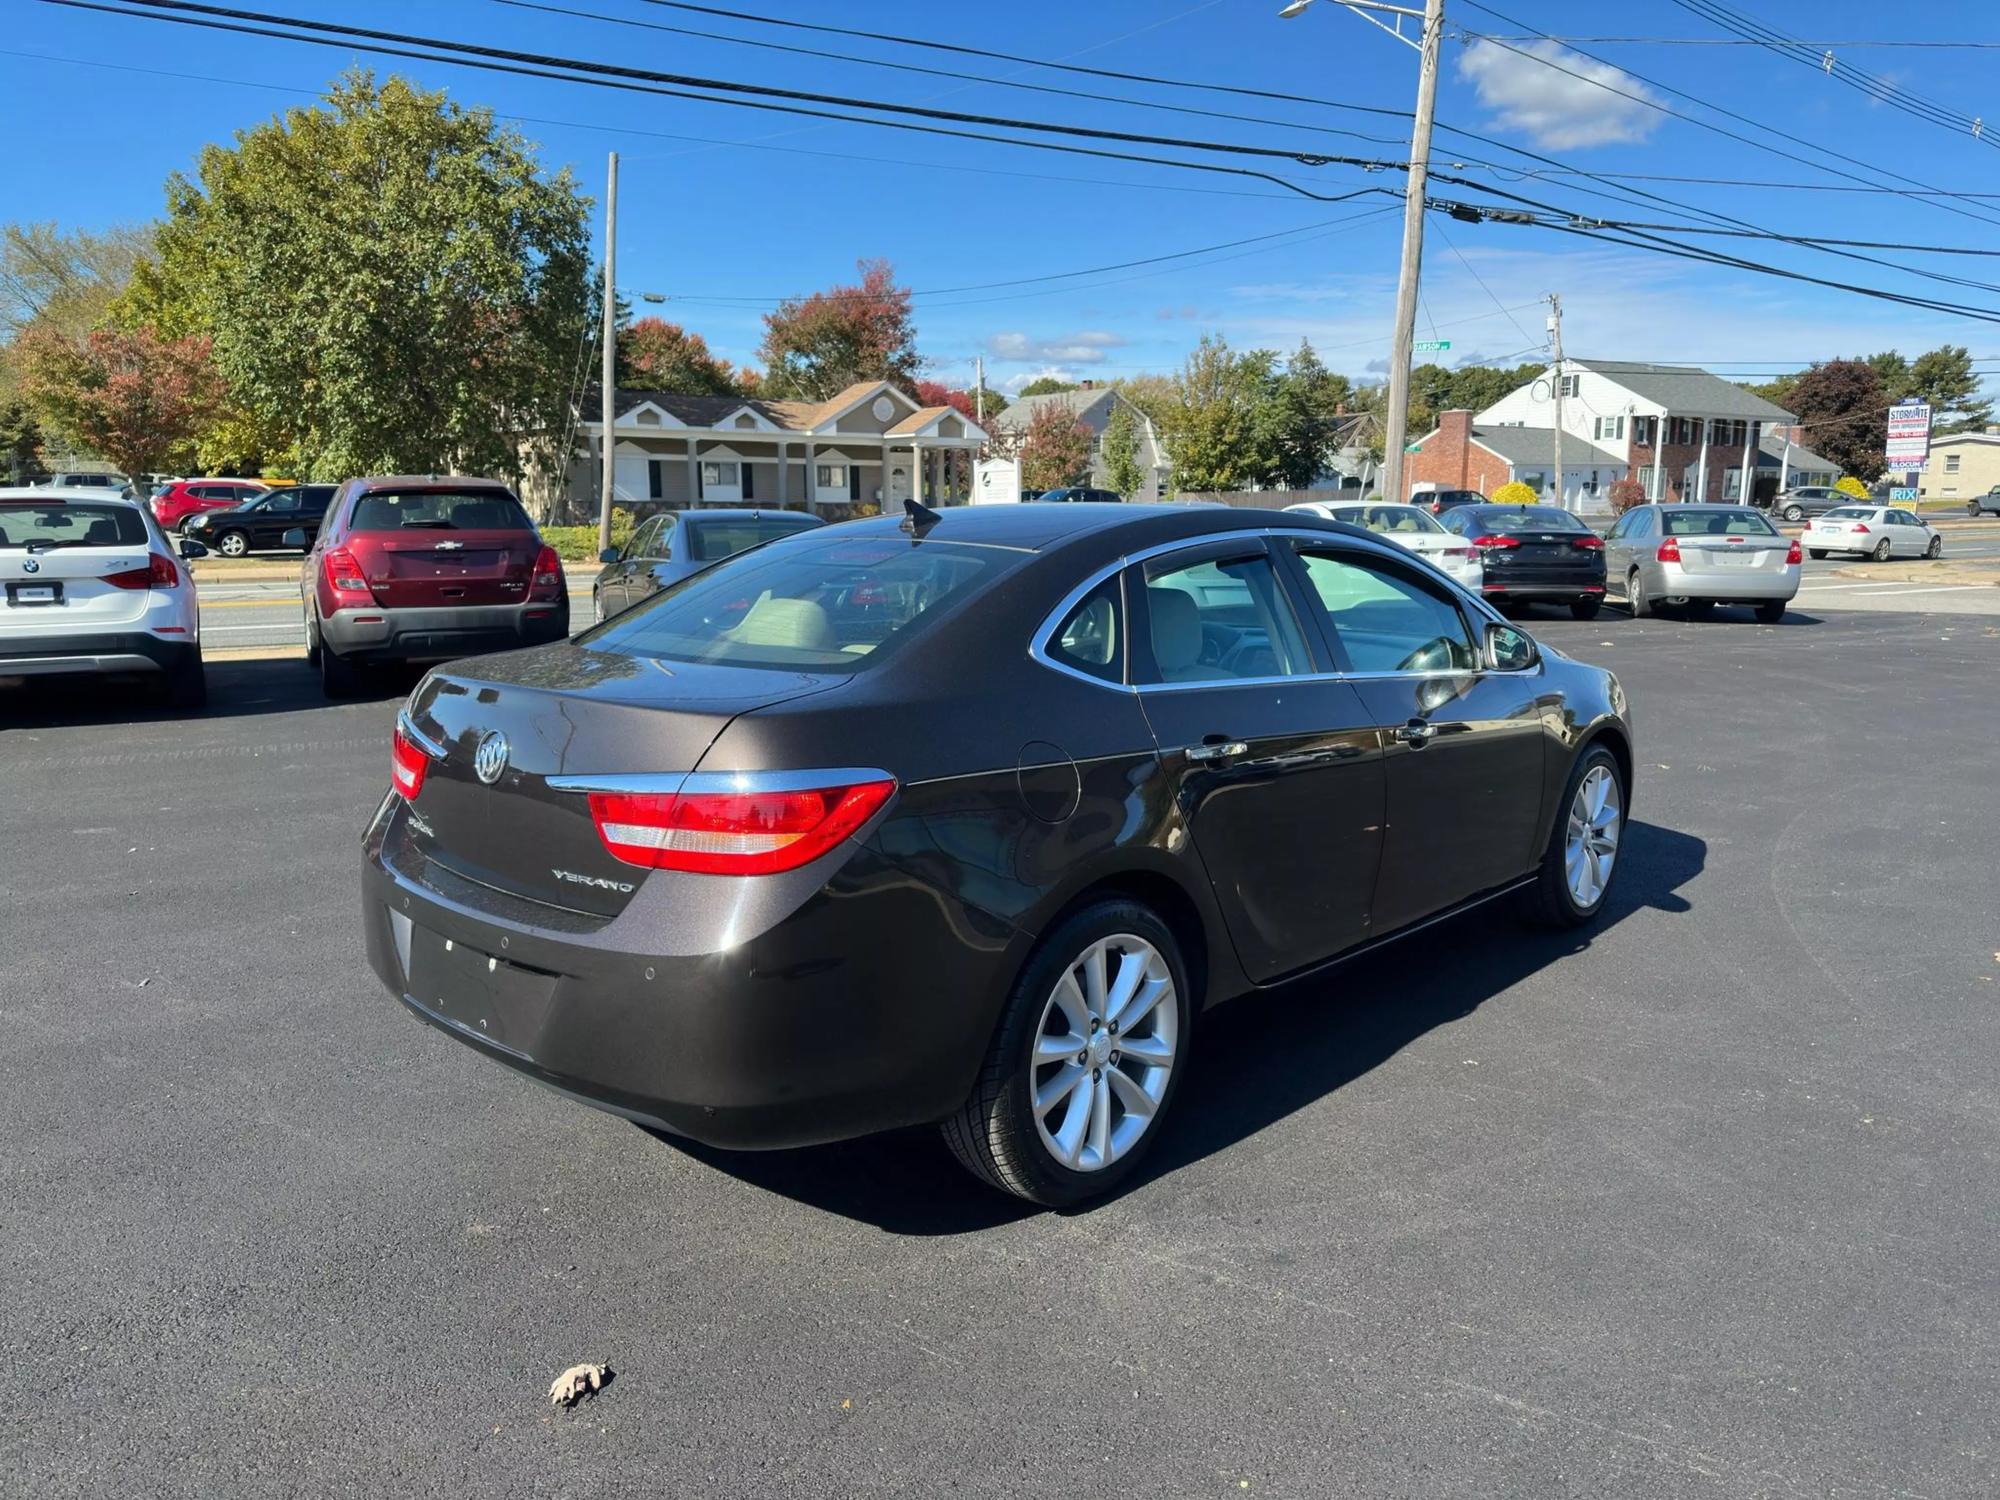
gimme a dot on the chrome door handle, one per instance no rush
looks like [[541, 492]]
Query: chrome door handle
[[1416, 733], [1221, 751]]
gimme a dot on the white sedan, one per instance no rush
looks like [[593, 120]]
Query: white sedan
[[1877, 531], [1407, 526]]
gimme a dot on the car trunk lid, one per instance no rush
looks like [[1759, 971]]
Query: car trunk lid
[[1704, 554], [427, 569], [566, 711]]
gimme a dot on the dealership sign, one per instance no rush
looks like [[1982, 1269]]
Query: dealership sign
[[1909, 434]]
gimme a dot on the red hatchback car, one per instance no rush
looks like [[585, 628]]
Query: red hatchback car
[[190, 497], [418, 568]]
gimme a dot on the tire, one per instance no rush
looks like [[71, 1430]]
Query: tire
[[1972, 509], [1882, 550], [232, 544], [338, 677], [1795, 512], [1771, 611], [1554, 899], [1936, 548], [1001, 1138], [1818, 554], [1585, 609], [1635, 595], [185, 685]]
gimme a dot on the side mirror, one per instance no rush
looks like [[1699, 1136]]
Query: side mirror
[[608, 555], [191, 549], [1510, 650], [296, 537]]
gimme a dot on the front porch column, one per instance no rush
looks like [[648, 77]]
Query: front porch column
[[1660, 459], [784, 476], [916, 472], [812, 478], [1701, 472], [694, 475], [1746, 492]]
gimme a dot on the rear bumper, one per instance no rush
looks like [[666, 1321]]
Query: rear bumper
[[1509, 589], [381, 634], [864, 1005], [110, 652], [1724, 585]]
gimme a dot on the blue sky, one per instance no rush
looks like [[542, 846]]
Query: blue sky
[[723, 209]]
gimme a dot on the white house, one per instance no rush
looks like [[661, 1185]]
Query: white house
[[1686, 434], [870, 444], [1092, 405]]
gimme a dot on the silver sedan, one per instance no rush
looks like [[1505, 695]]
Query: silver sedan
[[1697, 556], [1877, 531]]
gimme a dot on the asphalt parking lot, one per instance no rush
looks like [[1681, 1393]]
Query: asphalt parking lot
[[1701, 1201]]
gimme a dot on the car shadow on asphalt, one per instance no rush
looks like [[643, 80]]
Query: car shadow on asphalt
[[1335, 1027], [236, 689]]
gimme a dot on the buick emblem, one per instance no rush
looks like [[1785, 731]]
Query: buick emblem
[[490, 759], [29, 565]]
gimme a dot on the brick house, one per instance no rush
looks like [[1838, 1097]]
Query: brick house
[[1686, 434], [1461, 454]]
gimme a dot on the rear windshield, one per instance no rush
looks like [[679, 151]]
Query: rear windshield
[[709, 541], [1716, 523], [42, 524], [1388, 518], [1851, 513], [1506, 518], [818, 604], [439, 510]]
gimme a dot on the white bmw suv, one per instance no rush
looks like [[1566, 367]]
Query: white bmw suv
[[92, 585]]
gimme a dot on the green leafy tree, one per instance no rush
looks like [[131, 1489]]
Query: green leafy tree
[[814, 347], [61, 279], [137, 399], [20, 439], [1054, 449], [1212, 422], [1944, 378], [656, 355], [1300, 418], [1892, 372], [1047, 385], [391, 281], [1840, 404], [1120, 451]]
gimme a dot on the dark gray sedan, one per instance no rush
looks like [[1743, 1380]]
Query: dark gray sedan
[[669, 547]]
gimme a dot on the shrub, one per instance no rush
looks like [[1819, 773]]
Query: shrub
[[579, 543], [1516, 493], [1624, 494], [1847, 484]]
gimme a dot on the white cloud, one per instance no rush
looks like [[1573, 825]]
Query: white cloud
[[1014, 382], [1086, 347], [1557, 110]]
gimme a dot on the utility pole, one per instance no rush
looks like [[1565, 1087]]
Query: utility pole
[[979, 389], [1556, 342], [608, 376], [1397, 417]]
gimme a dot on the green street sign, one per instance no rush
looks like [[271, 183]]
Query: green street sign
[[1432, 346], [1412, 447]]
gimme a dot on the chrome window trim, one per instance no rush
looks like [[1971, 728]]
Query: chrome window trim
[[418, 738], [706, 782]]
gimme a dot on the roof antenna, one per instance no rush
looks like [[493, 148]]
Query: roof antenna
[[918, 518]]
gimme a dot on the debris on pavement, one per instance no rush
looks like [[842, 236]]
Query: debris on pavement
[[577, 1382]]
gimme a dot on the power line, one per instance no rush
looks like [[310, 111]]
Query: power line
[[1654, 104], [590, 75], [1728, 41], [1823, 60]]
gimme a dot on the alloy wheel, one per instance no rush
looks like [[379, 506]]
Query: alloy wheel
[[1104, 1052], [1936, 548], [1596, 818], [233, 544]]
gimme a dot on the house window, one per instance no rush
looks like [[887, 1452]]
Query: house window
[[1607, 427], [1950, 489], [1644, 430], [1951, 463], [1732, 483], [656, 479], [1570, 384], [719, 473], [1646, 478], [830, 476]]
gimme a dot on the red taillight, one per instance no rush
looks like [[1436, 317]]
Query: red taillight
[[1496, 541], [1589, 543], [1670, 550], [343, 573], [407, 764], [1794, 556], [548, 575], [1858, 529], [159, 573], [733, 832]]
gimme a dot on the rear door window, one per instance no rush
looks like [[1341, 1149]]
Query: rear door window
[[42, 525], [1217, 619], [438, 510], [821, 606]]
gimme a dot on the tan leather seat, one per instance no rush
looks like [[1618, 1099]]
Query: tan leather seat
[[796, 623], [1176, 635]]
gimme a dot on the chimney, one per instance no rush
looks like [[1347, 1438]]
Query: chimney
[[1089, 385], [1454, 445]]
